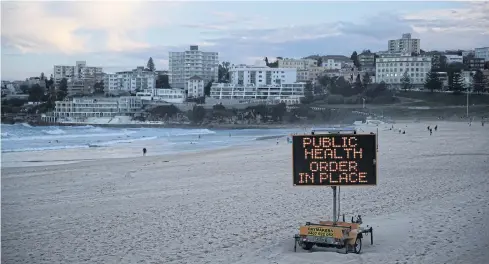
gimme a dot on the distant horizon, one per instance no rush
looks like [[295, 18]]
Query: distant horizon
[[61, 33]]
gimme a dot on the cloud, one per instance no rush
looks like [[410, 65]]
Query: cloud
[[34, 27], [115, 38]]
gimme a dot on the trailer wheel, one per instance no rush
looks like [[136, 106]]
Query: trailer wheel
[[358, 245], [307, 245]]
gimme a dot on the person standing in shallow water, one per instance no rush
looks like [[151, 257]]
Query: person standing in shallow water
[[144, 151]]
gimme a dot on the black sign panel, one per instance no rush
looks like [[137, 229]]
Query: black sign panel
[[335, 160]]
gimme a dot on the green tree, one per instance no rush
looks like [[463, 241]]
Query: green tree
[[62, 90], [308, 95], [456, 84], [223, 72], [151, 64], [278, 111], [197, 114], [24, 88], [207, 88], [36, 93], [273, 64], [406, 82], [51, 81], [478, 81], [433, 82], [163, 81], [357, 85], [324, 81], [354, 58], [366, 79], [320, 61]]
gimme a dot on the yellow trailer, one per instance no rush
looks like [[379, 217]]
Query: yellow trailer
[[340, 235]]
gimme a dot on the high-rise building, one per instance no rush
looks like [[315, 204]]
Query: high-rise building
[[186, 64], [482, 53], [406, 44]]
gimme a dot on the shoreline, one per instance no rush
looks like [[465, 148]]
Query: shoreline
[[239, 205], [187, 126]]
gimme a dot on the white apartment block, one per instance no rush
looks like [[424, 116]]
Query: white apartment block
[[80, 108], [261, 75], [466, 53], [331, 64], [303, 75], [287, 93], [195, 87], [172, 95], [76, 73], [454, 58], [391, 68], [193, 62], [300, 64], [406, 44], [482, 53], [129, 81]]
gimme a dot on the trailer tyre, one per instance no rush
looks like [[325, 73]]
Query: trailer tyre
[[307, 246], [358, 245]]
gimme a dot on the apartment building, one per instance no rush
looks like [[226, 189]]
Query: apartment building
[[405, 44], [391, 68], [466, 53], [79, 109], [474, 63], [367, 62], [300, 64], [454, 58], [193, 62], [261, 75], [290, 93], [482, 53], [172, 95], [129, 81], [195, 87], [332, 64], [79, 72]]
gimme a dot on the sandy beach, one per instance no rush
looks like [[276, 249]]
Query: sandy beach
[[238, 205]]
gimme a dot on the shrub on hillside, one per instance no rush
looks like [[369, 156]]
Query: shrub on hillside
[[335, 99], [165, 110], [353, 100], [384, 99]]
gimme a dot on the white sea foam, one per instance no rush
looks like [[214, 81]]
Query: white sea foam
[[56, 131], [44, 148], [114, 142], [60, 137]]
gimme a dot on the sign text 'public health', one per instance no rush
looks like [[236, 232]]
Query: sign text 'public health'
[[335, 160]]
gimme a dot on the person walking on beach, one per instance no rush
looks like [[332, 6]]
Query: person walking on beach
[[144, 151], [436, 127]]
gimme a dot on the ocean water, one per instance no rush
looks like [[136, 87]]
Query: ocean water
[[26, 138]]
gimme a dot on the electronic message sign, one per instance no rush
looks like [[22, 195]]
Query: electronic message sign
[[334, 160]]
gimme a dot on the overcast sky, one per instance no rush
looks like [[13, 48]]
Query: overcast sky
[[120, 35]]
